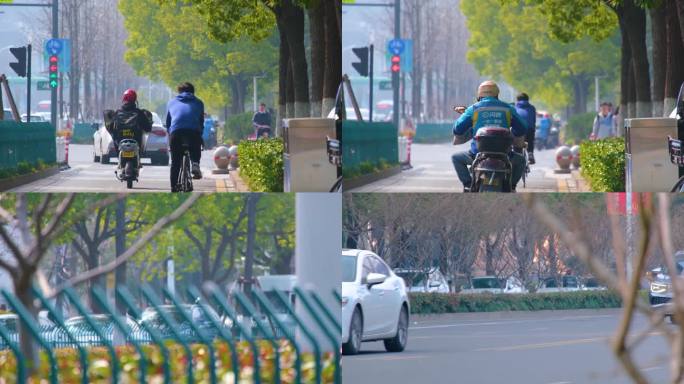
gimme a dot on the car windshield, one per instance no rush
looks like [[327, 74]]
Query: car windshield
[[348, 269], [412, 278], [156, 120], [570, 282], [275, 301], [592, 283], [486, 283], [151, 316]]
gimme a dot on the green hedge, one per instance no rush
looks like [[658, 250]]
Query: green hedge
[[261, 164], [579, 128], [603, 164], [433, 303]]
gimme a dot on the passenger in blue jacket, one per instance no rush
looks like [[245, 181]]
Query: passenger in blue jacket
[[185, 122], [488, 111], [528, 113]]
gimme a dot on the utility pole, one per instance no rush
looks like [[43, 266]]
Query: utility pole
[[370, 75]]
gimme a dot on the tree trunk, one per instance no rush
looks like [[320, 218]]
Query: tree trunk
[[290, 91], [292, 25], [659, 33], [120, 248], [283, 73], [333, 55], [680, 13], [580, 91], [417, 75], [252, 201], [634, 24], [675, 54], [631, 91], [317, 34], [625, 78]]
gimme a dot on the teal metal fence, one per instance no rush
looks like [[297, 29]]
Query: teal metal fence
[[197, 336], [82, 133], [368, 143], [433, 133], [26, 143]]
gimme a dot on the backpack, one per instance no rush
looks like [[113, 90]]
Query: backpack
[[126, 123]]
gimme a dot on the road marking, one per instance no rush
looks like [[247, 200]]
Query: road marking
[[561, 343], [393, 358], [509, 322], [561, 382]]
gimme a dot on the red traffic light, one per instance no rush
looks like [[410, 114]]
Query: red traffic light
[[396, 63], [53, 68], [54, 59]]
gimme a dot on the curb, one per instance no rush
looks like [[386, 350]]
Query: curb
[[238, 183], [349, 184], [18, 181]]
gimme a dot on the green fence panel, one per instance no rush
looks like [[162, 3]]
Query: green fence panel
[[111, 332], [26, 143], [364, 142], [433, 133], [83, 133]]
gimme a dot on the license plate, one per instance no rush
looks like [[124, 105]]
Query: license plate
[[675, 147], [128, 154]]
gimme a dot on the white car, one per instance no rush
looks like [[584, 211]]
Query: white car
[[418, 280], [375, 304], [156, 144], [493, 284]]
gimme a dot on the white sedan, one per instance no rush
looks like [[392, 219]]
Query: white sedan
[[156, 144], [375, 304]]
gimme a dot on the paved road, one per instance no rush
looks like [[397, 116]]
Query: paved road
[[433, 172], [559, 347], [88, 176]]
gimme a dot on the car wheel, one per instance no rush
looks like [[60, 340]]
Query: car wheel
[[353, 346], [104, 159], [96, 159], [398, 342], [163, 160]]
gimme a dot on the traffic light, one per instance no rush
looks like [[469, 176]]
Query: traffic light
[[20, 66], [54, 71], [361, 66], [396, 63]]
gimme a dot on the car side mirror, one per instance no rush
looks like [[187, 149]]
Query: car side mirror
[[375, 279]]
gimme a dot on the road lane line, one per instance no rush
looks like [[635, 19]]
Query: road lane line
[[391, 358], [561, 343], [507, 322]]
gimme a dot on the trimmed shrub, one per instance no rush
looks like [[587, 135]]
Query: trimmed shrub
[[603, 164], [24, 168], [366, 168], [261, 164], [435, 303]]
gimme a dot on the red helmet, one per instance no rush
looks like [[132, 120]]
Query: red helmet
[[130, 96]]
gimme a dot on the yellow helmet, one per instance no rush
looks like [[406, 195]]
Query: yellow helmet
[[488, 89]]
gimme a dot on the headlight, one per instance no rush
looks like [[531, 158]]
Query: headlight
[[345, 300], [659, 287]]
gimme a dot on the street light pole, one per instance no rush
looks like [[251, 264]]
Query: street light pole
[[53, 91]]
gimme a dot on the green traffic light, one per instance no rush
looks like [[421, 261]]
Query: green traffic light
[[53, 84]]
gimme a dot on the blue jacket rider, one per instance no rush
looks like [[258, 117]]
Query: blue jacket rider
[[488, 111]]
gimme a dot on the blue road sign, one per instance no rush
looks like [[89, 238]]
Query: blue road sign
[[406, 55], [61, 48], [53, 46], [396, 46]]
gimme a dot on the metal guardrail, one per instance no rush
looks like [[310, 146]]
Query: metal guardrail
[[198, 336]]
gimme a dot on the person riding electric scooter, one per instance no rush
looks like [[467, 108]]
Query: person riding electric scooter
[[488, 112], [127, 126]]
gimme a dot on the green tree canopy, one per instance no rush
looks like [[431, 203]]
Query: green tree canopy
[[514, 42], [172, 43]]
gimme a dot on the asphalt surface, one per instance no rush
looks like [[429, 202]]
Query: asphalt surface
[[433, 172], [87, 176], [549, 347]]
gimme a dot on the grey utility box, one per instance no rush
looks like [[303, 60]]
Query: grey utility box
[[648, 158], [307, 166]]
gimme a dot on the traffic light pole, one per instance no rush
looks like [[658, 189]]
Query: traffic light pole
[[28, 83], [395, 75], [55, 34], [370, 75], [53, 91]]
